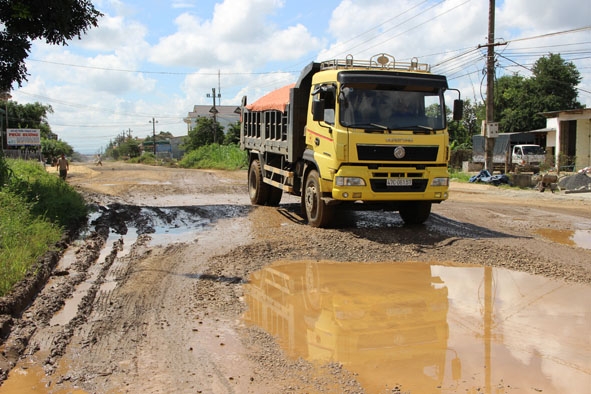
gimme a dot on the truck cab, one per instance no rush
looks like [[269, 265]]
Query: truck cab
[[527, 157]]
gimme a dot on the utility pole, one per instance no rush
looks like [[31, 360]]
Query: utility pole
[[153, 121], [490, 129], [489, 143], [214, 111]]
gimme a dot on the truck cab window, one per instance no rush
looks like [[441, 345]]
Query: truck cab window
[[327, 94]]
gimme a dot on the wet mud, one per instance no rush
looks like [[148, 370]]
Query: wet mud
[[179, 282]]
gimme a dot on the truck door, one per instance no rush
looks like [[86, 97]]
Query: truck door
[[321, 133], [517, 153]]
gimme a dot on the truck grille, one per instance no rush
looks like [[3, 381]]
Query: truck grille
[[386, 153]]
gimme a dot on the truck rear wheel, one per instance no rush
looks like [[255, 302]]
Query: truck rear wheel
[[317, 212], [257, 189], [415, 212]]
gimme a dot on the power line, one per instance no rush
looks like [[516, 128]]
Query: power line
[[155, 72], [576, 30], [95, 108]]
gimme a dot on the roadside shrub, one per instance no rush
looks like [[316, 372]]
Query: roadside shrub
[[5, 171], [35, 207], [49, 196], [459, 175], [222, 157], [23, 238]]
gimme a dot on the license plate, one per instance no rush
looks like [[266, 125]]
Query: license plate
[[398, 182]]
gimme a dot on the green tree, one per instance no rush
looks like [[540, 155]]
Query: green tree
[[54, 148], [34, 116], [161, 136], [130, 148], [555, 82], [232, 134], [552, 87], [205, 132], [460, 133], [29, 116], [21, 22]]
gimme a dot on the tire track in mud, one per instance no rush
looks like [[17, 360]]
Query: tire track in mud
[[88, 277], [36, 318]]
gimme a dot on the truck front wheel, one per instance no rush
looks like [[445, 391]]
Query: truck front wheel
[[257, 189], [317, 212], [415, 212]]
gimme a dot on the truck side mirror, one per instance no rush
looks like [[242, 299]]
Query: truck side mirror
[[458, 110], [318, 110]]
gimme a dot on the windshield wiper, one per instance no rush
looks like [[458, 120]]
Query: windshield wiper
[[417, 129], [368, 127]]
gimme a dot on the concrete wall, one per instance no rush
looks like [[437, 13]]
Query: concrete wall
[[583, 143]]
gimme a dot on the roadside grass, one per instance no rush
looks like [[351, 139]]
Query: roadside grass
[[35, 208], [221, 157], [459, 175]]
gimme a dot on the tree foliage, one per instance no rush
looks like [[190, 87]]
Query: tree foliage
[[29, 116], [232, 134], [34, 116], [161, 136], [205, 132], [552, 87], [21, 22], [460, 133], [123, 146], [130, 148], [51, 148]]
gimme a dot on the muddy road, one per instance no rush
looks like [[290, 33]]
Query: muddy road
[[180, 285]]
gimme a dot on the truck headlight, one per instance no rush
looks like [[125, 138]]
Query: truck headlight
[[349, 181], [440, 182]]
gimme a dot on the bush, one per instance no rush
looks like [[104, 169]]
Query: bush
[[24, 238], [50, 197], [35, 208], [223, 157], [5, 171], [459, 176]]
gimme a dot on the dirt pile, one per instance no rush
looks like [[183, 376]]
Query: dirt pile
[[575, 182]]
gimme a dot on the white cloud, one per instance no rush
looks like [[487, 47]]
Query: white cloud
[[135, 64], [237, 30]]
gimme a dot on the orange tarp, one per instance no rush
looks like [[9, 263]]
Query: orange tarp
[[276, 100]]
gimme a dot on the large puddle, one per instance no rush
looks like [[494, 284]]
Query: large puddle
[[425, 328]]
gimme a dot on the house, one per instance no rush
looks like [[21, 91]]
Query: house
[[569, 137], [225, 115]]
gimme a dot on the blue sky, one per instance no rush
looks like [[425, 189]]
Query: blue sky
[[157, 59]]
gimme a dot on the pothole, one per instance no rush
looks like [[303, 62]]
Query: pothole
[[427, 328]]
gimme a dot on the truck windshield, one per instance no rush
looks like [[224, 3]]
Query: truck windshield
[[389, 107], [533, 150]]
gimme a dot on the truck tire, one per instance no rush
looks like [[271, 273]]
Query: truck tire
[[317, 212], [257, 189], [415, 212]]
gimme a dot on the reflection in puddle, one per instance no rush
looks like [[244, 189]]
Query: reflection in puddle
[[580, 238], [429, 328]]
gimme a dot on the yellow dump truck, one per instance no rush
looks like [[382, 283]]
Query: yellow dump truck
[[349, 131]]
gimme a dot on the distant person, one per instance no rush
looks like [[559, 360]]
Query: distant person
[[99, 162], [63, 166]]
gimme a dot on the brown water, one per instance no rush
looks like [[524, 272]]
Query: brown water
[[421, 328], [580, 238]]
